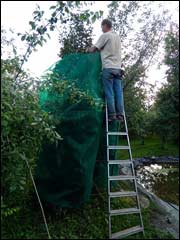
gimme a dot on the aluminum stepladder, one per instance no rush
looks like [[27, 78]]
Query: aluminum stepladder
[[135, 229]]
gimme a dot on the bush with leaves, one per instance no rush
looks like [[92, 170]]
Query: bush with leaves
[[167, 99], [77, 38], [24, 125], [141, 30], [24, 128], [66, 92]]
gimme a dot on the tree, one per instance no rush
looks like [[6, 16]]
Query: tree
[[63, 12], [77, 38], [24, 128], [141, 30], [167, 99]]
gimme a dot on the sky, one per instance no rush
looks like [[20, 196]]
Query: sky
[[17, 14]]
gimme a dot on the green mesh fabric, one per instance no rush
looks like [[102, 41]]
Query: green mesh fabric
[[67, 172]]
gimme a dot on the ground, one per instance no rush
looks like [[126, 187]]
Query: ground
[[160, 221], [153, 147], [90, 221]]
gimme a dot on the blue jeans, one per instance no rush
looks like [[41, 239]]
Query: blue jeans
[[113, 89]]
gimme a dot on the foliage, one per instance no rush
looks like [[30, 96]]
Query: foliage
[[24, 125], [24, 128], [141, 30], [69, 223], [54, 86], [61, 13], [6, 211], [152, 147], [77, 38], [167, 100]]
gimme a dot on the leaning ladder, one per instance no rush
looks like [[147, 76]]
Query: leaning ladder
[[137, 210]]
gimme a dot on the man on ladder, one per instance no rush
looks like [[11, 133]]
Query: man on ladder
[[109, 45]]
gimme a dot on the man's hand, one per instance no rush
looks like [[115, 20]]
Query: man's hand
[[87, 50], [91, 49], [122, 73]]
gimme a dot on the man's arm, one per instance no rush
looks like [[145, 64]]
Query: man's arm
[[92, 49], [98, 46]]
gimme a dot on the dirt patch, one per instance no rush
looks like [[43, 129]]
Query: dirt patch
[[164, 216], [164, 222]]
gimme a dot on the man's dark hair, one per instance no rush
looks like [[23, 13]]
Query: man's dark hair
[[107, 22]]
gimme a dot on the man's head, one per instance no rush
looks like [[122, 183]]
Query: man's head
[[106, 25]]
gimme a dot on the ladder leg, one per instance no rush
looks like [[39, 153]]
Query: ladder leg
[[130, 154], [108, 188], [112, 212]]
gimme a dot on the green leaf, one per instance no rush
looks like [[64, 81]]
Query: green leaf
[[8, 105], [54, 14], [52, 28], [34, 123], [82, 17], [58, 136], [36, 12], [93, 19], [66, 10], [52, 7], [33, 25], [77, 3], [23, 37], [48, 35], [101, 13], [97, 14]]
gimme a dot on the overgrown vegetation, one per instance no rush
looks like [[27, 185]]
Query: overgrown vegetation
[[166, 107], [152, 147], [25, 126], [88, 222], [77, 38]]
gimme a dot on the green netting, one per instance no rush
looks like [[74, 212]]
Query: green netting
[[66, 172]]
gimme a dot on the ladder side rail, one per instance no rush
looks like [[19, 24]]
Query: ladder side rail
[[130, 154], [107, 149]]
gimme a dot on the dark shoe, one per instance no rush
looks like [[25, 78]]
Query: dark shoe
[[112, 118], [120, 117]]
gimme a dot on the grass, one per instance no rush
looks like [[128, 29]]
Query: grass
[[89, 222], [152, 147]]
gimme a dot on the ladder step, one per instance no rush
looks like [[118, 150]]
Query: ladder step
[[120, 162], [118, 147], [122, 177], [123, 194], [127, 232], [124, 211], [117, 133]]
